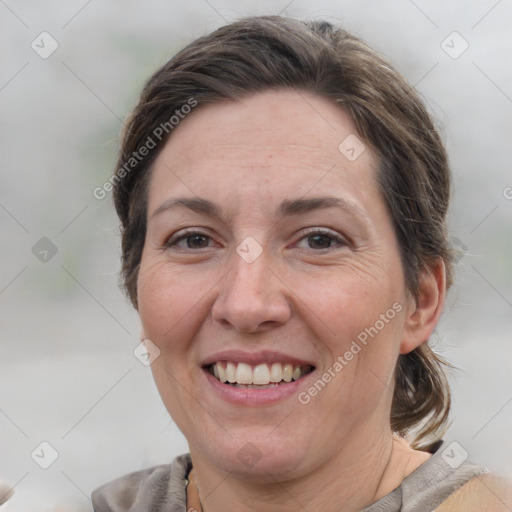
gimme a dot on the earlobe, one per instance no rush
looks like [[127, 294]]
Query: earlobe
[[426, 310]]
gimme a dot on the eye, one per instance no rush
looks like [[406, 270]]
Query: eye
[[189, 240], [321, 239]]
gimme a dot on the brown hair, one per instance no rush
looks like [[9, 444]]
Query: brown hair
[[271, 52]]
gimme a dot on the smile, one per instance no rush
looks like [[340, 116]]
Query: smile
[[258, 376]]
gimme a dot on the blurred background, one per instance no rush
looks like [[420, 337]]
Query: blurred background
[[70, 71]]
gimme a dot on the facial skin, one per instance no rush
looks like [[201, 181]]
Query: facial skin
[[305, 296]]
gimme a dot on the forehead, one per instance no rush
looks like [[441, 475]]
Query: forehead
[[265, 143]]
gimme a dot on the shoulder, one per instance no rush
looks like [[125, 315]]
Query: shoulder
[[155, 488], [483, 492]]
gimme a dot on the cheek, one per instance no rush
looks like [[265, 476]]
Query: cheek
[[357, 313], [167, 299], [171, 303], [348, 298]]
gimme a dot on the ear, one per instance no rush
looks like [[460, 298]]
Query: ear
[[424, 312]]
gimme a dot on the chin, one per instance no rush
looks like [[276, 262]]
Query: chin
[[261, 457]]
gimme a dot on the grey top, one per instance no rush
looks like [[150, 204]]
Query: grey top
[[163, 488]]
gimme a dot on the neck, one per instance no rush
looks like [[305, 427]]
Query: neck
[[350, 480]]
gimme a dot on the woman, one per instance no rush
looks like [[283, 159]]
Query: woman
[[282, 193]]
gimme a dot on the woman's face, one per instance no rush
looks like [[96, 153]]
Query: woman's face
[[269, 244]]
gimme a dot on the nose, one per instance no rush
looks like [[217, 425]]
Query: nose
[[252, 297]]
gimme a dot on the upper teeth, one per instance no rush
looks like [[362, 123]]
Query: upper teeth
[[242, 373]]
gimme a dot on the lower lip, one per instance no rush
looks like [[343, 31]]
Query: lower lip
[[241, 396]]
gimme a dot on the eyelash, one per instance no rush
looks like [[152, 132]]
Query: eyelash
[[174, 240]]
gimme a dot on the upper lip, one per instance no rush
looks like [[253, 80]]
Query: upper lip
[[263, 356]]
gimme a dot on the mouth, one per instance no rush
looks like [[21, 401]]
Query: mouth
[[257, 376]]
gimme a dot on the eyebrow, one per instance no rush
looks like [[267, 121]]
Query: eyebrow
[[286, 208], [197, 205]]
